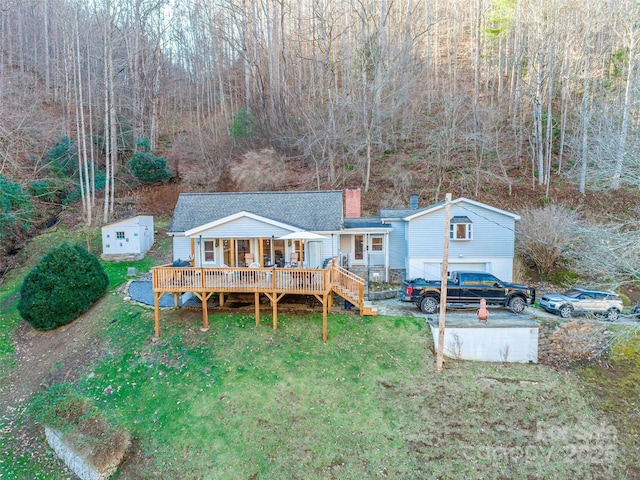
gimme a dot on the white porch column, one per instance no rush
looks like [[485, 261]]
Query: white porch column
[[386, 257]]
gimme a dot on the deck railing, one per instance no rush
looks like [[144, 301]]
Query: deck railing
[[278, 280], [347, 284]]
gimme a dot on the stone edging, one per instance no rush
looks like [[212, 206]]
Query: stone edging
[[81, 467]]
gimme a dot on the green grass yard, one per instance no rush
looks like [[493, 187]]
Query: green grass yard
[[241, 401]]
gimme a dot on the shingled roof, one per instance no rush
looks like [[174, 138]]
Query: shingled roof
[[364, 222], [308, 210], [405, 212]]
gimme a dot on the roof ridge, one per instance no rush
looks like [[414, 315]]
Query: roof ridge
[[278, 192]]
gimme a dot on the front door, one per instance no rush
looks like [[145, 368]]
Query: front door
[[358, 248]]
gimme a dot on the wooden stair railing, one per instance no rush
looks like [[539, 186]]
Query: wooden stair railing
[[350, 287]]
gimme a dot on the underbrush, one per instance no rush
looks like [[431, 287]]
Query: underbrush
[[615, 392]]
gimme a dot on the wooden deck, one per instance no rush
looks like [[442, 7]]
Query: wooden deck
[[274, 283]]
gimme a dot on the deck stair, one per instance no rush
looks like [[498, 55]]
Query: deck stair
[[351, 287]]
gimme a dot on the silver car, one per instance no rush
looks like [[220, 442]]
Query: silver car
[[580, 300]]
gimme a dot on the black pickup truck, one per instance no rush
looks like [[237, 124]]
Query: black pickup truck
[[465, 289]]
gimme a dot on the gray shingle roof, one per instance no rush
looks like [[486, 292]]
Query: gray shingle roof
[[308, 210], [405, 212], [364, 222]]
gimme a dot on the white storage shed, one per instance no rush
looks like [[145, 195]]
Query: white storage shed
[[127, 239]]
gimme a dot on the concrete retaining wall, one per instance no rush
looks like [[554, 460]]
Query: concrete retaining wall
[[73, 460]]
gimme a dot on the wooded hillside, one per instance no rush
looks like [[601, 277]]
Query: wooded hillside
[[514, 100]]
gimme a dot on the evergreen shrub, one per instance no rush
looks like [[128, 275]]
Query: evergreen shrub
[[146, 166], [63, 285], [16, 211]]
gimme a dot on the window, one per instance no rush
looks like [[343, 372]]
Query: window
[[120, 235], [209, 250], [460, 229], [376, 244]]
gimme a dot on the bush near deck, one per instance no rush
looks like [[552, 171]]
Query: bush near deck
[[63, 285]]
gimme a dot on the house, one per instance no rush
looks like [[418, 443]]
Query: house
[[238, 229], [127, 239], [281, 228], [481, 238]]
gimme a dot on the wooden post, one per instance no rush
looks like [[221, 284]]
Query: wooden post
[[302, 253], [205, 313], [156, 305], [257, 300], [325, 302], [443, 285]]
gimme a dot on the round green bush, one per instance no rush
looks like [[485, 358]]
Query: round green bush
[[64, 284], [148, 168]]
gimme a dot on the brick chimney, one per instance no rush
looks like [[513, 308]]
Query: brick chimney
[[352, 203]]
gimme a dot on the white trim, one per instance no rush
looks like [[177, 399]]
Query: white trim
[[460, 200], [207, 226], [128, 219]]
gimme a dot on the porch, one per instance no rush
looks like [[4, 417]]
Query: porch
[[274, 283]]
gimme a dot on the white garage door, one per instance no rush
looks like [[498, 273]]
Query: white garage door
[[433, 271]]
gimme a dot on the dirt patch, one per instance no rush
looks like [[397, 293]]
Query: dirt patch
[[49, 357]]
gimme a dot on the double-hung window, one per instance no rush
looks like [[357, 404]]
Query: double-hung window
[[460, 228], [209, 250]]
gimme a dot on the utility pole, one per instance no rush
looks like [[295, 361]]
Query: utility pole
[[443, 285]]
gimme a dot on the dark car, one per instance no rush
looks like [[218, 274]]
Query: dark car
[[582, 300]]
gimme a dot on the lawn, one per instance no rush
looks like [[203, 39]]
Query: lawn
[[241, 401]]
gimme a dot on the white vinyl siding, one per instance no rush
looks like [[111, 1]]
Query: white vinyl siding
[[181, 248], [132, 235], [397, 246], [245, 228]]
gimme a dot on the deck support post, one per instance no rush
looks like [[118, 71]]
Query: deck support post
[[257, 302], [205, 313], [156, 306], [324, 321], [204, 298], [324, 300], [275, 309]]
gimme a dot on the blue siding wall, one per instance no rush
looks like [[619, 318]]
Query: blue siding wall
[[397, 245], [493, 234]]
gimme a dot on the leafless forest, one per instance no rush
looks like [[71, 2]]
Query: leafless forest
[[471, 92]]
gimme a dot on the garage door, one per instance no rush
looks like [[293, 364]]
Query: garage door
[[432, 271]]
